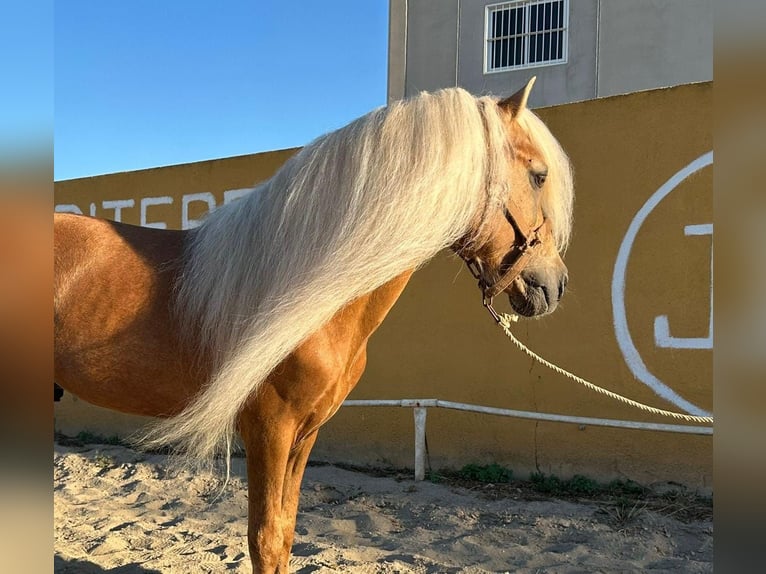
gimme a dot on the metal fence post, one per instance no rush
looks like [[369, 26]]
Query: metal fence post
[[420, 442]]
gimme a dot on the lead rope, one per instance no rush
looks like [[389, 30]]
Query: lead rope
[[505, 320]]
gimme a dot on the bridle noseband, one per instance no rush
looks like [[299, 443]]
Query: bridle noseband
[[526, 242]]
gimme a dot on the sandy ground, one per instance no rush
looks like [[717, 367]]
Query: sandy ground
[[117, 510]]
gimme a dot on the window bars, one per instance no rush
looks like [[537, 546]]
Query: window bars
[[525, 34]]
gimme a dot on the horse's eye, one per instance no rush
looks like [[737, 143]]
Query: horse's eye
[[538, 178]]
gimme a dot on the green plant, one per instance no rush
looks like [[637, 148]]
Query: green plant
[[493, 473], [582, 485], [103, 461], [434, 476], [550, 484], [625, 487], [87, 437]]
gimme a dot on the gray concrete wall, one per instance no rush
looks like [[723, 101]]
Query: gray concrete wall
[[558, 83], [615, 46], [654, 43], [431, 52], [397, 48]]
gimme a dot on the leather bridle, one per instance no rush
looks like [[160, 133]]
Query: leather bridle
[[526, 242]]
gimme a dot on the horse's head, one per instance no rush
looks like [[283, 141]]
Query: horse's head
[[523, 232]]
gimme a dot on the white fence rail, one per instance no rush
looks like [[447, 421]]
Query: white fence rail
[[420, 407]]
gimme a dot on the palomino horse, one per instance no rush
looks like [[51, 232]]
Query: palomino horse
[[257, 321]]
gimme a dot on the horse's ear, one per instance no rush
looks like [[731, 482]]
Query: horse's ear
[[518, 101]]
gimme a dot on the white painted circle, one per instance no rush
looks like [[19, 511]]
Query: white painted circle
[[621, 330]]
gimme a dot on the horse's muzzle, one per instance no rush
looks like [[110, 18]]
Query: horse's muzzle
[[534, 294]]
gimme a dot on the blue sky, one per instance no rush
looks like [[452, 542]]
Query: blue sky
[[144, 83], [26, 78]]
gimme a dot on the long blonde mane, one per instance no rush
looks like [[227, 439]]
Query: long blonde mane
[[349, 212]]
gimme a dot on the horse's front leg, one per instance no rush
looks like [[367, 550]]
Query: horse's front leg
[[291, 493], [268, 436], [279, 430]]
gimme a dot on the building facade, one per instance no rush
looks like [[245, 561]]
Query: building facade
[[578, 49]]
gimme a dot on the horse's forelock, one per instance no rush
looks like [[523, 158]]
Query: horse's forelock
[[558, 199]]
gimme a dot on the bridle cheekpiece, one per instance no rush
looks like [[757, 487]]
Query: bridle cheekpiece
[[526, 242]]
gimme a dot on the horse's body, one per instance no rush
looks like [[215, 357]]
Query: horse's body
[[141, 329]]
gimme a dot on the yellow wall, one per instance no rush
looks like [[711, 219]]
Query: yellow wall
[[439, 343]]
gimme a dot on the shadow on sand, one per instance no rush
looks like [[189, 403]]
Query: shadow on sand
[[72, 566]]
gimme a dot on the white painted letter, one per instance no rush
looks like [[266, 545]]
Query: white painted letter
[[662, 336], [234, 194], [205, 196], [118, 205], [145, 203], [67, 208]]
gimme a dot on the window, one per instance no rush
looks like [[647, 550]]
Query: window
[[525, 34]]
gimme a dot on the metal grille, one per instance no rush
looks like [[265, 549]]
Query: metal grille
[[525, 34]]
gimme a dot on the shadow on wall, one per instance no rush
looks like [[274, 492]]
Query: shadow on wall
[[65, 566]]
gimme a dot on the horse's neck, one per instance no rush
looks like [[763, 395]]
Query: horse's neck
[[330, 362], [359, 319], [380, 301]]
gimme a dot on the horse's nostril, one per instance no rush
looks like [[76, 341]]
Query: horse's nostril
[[563, 285], [546, 293]]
